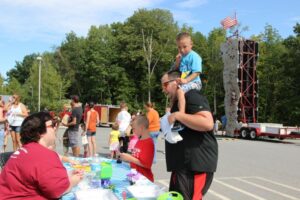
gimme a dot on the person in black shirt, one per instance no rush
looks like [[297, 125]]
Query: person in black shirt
[[73, 126], [193, 160]]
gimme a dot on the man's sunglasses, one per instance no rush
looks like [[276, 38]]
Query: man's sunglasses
[[165, 84]]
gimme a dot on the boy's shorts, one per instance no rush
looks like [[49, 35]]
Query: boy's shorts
[[74, 138], [191, 85]]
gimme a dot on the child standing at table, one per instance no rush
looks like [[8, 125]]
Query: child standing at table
[[114, 140], [84, 140], [133, 137], [143, 152]]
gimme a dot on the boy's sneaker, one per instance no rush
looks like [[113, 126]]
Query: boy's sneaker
[[177, 127]]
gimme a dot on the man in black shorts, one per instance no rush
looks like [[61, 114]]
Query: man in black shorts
[[193, 160]]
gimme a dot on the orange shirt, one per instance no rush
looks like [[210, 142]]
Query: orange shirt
[[153, 118], [93, 121]]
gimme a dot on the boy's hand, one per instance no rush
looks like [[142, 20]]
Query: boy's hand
[[177, 61], [178, 58], [181, 81]]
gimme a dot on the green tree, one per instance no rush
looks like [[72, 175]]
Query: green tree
[[213, 68], [290, 94], [70, 57], [271, 69], [159, 25], [53, 86], [22, 69]]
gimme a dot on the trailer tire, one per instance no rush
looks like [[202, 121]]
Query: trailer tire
[[244, 133], [252, 134]]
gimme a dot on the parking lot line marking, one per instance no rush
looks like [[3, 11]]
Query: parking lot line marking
[[210, 191], [233, 177], [267, 189], [239, 190], [276, 183]]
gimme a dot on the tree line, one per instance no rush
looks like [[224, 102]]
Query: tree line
[[125, 61]]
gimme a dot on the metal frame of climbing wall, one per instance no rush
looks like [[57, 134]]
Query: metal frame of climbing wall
[[247, 81]]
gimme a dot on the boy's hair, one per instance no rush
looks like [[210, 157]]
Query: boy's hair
[[183, 35], [142, 120], [115, 126], [173, 74]]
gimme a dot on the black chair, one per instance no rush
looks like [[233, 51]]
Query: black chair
[[4, 158]]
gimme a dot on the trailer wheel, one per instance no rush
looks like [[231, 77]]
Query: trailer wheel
[[244, 133], [252, 134]]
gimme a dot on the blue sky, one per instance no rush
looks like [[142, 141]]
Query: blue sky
[[35, 26]]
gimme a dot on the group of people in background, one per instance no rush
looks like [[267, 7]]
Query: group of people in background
[[191, 161]]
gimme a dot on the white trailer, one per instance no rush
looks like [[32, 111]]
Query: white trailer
[[272, 130]]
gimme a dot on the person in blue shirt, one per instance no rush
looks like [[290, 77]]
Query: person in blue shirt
[[189, 63]]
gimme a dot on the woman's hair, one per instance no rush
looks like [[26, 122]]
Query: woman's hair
[[17, 98], [115, 126], [34, 126], [149, 105], [91, 104], [123, 105]]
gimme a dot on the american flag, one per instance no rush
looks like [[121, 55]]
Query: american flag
[[229, 22]]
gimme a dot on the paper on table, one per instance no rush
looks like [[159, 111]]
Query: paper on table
[[171, 137], [95, 194], [145, 191]]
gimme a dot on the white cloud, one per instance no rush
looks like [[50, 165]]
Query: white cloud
[[186, 17], [46, 19], [295, 19], [191, 3]]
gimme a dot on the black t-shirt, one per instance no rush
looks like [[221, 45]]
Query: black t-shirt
[[76, 112], [198, 151]]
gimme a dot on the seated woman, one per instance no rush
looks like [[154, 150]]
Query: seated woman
[[34, 171]]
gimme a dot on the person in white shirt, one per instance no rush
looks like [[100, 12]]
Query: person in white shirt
[[123, 119], [15, 116]]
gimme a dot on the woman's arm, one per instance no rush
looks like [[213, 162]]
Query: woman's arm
[[24, 111], [87, 120]]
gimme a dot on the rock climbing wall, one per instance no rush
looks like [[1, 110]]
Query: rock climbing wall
[[230, 56]]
